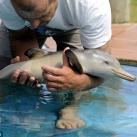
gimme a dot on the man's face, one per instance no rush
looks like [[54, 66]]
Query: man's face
[[37, 12]]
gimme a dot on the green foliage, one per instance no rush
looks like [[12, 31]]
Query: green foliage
[[133, 11]]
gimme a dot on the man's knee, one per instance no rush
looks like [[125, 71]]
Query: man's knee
[[4, 41]]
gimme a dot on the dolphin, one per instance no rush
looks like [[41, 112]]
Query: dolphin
[[93, 62]]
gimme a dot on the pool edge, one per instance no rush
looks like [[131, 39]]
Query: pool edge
[[128, 62]]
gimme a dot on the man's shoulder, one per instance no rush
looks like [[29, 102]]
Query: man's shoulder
[[85, 3], [81, 5], [1, 1], [9, 16], [81, 2], [6, 7]]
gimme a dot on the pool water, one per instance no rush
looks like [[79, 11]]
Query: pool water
[[110, 112]]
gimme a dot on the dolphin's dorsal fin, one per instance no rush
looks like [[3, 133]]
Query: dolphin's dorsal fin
[[34, 53], [73, 61]]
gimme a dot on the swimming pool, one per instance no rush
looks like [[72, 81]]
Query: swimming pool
[[110, 112]]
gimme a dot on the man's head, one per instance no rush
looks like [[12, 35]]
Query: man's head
[[37, 12]]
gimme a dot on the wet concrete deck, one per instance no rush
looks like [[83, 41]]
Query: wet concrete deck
[[123, 43]]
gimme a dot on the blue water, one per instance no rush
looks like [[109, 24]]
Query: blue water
[[27, 112]]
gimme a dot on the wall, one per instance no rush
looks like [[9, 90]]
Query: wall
[[120, 10]]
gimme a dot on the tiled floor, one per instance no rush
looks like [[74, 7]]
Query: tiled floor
[[123, 42]]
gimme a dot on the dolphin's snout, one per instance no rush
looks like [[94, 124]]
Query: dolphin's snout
[[123, 74]]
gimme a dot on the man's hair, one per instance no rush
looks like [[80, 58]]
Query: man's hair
[[28, 7]]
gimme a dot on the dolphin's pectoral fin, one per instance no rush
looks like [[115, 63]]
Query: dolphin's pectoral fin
[[73, 61], [35, 53]]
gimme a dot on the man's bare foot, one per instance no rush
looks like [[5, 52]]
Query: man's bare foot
[[69, 120]]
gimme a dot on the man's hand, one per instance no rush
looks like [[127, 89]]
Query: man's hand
[[23, 77], [60, 79]]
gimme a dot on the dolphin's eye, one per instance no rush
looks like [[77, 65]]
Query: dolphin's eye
[[106, 62]]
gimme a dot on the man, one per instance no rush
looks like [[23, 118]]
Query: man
[[71, 23]]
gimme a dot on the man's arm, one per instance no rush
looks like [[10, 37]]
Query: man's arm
[[106, 48], [95, 81], [20, 41]]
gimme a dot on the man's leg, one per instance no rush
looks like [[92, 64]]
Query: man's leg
[[5, 53], [68, 39]]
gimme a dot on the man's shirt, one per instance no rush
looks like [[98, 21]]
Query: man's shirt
[[92, 17]]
